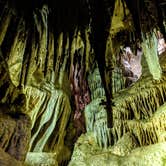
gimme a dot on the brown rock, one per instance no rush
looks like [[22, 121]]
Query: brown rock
[[7, 160], [15, 134]]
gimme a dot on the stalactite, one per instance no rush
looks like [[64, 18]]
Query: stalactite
[[41, 22], [47, 99], [59, 53], [6, 85], [87, 49], [121, 16], [96, 122], [63, 68], [95, 84], [95, 112], [149, 47], [141, 104], [5, 18], [50, 57], [43, 56], [30, 70], [118, 80], [63, 78], [118, 25], [141, 114], [17, 52], [72, 51]]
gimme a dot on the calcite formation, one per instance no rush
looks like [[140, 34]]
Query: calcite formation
[[95, 111], [149, 47], [82, 83], [15, 125], [138, 131]]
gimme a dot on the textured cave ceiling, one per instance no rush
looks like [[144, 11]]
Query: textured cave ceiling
[[78, 12]]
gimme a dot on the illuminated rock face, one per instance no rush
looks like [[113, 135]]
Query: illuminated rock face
[[95, 112], [150, 52], [87, 153], [56, 113], [15, 125], [42, 66]]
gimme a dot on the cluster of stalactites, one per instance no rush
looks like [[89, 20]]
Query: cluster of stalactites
[[121, 24], [142, 105], [95, 84], [96, 122], [146, 132], [42, 61], [139, 114], [95, 112], [38, 52]]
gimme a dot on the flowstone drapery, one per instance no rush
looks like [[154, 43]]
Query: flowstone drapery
[[52, 109], [49, 111], [95, 111]]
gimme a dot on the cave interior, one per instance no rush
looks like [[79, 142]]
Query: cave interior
[[83, 83]]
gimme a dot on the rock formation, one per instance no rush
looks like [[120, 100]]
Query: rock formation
[[82, 82]]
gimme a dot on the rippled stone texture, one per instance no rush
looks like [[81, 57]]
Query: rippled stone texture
[[15, 134]]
